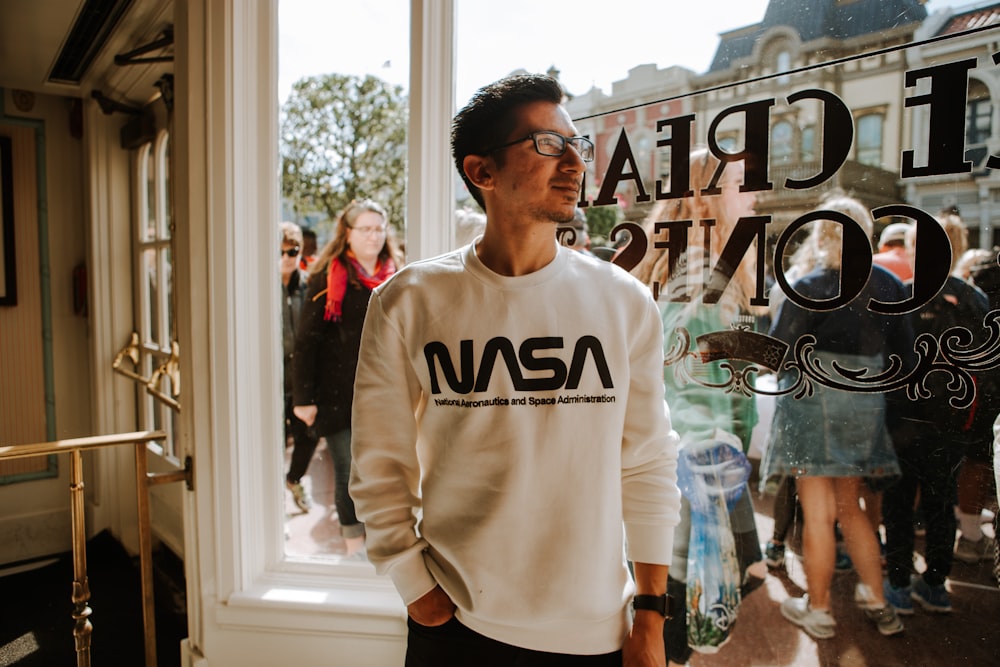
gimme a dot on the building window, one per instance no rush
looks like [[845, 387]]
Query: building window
[[807, 152], [782, 142], [869, 140], [978, 122], [783, 63]]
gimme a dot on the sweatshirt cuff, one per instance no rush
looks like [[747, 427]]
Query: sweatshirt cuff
[[411, 577], [650, 545]]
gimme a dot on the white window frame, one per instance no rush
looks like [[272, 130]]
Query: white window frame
[[226, 138], [154, 347]]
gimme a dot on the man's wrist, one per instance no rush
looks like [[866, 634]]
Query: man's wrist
[[658, 604]]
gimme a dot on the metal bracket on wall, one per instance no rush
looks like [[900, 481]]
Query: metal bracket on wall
[[109, 106], [130, 352], [170, 369], [164, 40]]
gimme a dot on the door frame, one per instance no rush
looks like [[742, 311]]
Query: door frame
[[247, 603]]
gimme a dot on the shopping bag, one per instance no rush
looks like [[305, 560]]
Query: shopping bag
[[712, 476]]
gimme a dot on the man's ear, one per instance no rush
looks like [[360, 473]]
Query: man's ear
[[479, 170]]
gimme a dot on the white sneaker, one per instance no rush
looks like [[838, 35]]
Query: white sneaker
[[885, 619], [818, 623], [971, 552]]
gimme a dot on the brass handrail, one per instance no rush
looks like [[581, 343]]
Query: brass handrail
[[75, 447]]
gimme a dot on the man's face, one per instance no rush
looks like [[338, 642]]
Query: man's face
[[540, 187]]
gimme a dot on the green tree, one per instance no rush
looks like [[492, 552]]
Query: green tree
[[600, 221], [344, 137]]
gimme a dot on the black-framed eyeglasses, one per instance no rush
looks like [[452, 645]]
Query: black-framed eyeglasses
[[291, 252], [553, 144]]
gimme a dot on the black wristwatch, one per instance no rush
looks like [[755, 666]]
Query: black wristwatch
[[664, 604]]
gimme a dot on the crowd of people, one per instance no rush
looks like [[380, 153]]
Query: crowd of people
[[503, 428]]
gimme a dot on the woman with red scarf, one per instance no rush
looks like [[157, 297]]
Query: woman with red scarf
[[361, 255]]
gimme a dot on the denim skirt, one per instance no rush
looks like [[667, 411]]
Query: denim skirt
[[833, 433]]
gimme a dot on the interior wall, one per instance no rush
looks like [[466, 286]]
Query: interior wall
[[46, 386], [22, 363]]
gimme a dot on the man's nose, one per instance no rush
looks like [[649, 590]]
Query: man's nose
[[571, 160]]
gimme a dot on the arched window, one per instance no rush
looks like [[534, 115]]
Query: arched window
[[807, 148], [783, 63], [782, 142], [154, 287]]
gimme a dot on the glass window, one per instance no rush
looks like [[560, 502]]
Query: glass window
[[869, 140], [768, 262], [978, 122], [782, 142], [979, 117], [783, 63], [343, 137], [808, 146], [154, 289], [781, 259]]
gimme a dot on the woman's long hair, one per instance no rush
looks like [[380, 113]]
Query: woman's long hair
[[655, 266], [824, 246], [337, 246]]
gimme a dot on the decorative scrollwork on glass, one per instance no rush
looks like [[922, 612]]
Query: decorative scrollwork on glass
[[952, 359]]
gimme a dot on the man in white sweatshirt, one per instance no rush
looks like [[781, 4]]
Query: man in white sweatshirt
[[509, 432]]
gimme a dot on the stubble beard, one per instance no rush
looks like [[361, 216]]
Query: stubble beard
[[558, 216]]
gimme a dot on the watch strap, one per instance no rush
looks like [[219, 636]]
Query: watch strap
[[664, 604]]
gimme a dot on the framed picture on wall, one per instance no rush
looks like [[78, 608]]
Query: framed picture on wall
[[8, 276]]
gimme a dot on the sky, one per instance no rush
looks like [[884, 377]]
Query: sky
[[591, 42]]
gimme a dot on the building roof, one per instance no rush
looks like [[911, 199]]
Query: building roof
[[837, 19], [975, 18]]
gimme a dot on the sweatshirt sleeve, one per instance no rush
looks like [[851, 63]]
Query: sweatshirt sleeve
[[385, 471], [650, 496]]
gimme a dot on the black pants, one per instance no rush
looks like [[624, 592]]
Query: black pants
[[454, 645], [304, 442], [932, 466], [785, 509]]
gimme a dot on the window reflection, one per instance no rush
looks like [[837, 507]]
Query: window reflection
[[869, 140], [978, 122], [756, 108], [796, 147]]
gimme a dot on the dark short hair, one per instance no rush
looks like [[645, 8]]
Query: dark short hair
[[489, 118]]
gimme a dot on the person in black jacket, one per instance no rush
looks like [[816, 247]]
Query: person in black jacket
[[931, 440], [293, 295], [361, 255]]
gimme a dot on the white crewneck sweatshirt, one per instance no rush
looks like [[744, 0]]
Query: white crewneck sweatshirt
[[505, 429]]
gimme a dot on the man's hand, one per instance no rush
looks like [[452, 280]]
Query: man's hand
[[436, 608], [307, 413], [644, 645]]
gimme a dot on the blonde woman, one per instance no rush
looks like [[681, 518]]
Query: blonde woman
[[361, 256], [833, 439], [699, 414]]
